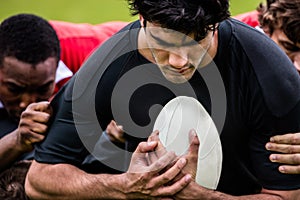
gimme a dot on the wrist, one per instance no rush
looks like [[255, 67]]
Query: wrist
[[124, 185], [18, 144]]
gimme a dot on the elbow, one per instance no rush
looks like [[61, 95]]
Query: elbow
[[30, 190], [29, 187], [32, 182]]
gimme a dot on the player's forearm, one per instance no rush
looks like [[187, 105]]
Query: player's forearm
[[63, 181], [194, 191], [9, 150]]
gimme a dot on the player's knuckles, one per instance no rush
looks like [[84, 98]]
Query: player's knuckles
[[25, 122], [290, 149], [40, 106], [41, 117], [32, 106], [39, 128], [159, 165], [296, 138], [38, 138], [296, 159], [27, 114]]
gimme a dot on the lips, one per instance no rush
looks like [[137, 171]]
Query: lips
[[184, 70]]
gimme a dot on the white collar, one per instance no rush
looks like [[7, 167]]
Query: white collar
[[62, 72], [259, 29]]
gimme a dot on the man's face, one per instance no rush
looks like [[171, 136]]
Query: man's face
[[22, 84], [290, 48], [176, 54]]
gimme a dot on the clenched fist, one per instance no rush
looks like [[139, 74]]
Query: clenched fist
[[33, 124]]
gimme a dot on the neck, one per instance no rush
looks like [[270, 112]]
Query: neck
[[212, 51]]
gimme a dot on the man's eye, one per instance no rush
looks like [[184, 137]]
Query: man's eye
[[14, 89], [45, 89], [290, 47]]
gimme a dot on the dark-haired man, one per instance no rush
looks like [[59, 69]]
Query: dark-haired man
[[23, 48], [170, 42], [29, 57], [29, 70]]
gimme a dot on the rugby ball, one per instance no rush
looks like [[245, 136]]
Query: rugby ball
[[174, 122]]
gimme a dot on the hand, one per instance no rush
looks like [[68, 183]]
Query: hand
[[191, 156], [33, 125], [115, 132], [191, 167], [289, 145], [147, 180]]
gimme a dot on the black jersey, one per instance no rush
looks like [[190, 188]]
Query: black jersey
[[262, 98]]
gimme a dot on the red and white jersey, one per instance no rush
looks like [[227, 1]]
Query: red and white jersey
[[250, 18], [77, 42]]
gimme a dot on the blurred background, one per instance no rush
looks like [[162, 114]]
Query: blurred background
[[90, 11]]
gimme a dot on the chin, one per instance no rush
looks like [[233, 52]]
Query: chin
[[177, 79]]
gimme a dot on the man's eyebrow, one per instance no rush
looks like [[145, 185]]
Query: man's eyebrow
[[162, 42], [47, 83], [289, 46], [13, 82]]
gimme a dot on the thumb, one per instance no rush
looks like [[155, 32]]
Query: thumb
[[194, 142], [145, 147], [43, 106]]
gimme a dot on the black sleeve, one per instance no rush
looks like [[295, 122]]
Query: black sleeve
[[63, 143], [265, 170], [75, 128], [273, 104]]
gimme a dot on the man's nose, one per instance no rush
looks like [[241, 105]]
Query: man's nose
[[296, 61], [27, 99], [178, 60]]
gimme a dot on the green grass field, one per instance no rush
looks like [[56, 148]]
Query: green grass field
[[90, 11]]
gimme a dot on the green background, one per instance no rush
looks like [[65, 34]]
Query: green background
[[90, 11]]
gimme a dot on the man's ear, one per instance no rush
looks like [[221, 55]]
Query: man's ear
[[141, 18]]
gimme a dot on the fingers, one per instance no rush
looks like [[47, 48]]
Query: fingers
[[162, 162], [37, 112], [159, 150], [169, 174], [33, 123], [194, 142], [292, 159], [33, 137], [145, 147], [115, 132], [43, 106], [176, 187], [291, 138], [283, 148], [289, 169]]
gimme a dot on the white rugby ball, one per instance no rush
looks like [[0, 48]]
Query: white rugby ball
[[174, 122]]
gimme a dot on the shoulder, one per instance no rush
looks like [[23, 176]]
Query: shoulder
[[274, 73]]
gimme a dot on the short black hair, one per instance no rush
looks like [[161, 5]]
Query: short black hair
[[186, 16], [29, 38]]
